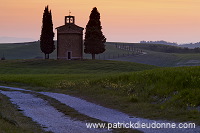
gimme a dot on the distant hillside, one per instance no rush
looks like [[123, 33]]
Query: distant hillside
[[32, 50], [152, 54], [187, 45], [14, 39], [191, 45], [27, 50], [161, 55], [160, 42], [160, 47]]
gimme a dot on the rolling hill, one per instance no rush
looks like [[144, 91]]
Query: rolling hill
[[149, 56], [161, 93]]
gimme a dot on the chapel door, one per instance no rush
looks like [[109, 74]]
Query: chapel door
[[69, 55]]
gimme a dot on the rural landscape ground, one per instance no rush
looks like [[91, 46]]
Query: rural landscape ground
[[147, 84]]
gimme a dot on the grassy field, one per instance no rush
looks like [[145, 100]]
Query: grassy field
[[21, 50], [32, 50], [164, 59], [136, 89], [157, 58]]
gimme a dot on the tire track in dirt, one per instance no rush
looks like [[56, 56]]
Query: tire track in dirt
[[44, 114], [109, 115]]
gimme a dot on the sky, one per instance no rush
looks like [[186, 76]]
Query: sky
[[122, 20]]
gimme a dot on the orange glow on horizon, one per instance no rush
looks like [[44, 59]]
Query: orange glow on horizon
[[128, 20]]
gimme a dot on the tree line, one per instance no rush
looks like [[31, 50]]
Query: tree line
[[160, 42], [163, 48], [94, 39]]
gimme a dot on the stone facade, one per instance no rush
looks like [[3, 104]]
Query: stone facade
[[69, 40]]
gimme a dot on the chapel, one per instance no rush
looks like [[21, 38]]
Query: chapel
[[69, 40]]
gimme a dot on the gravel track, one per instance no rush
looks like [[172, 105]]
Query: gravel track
[[109, 115], [44, 114]]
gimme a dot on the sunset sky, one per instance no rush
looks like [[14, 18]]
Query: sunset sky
[[122, 20]]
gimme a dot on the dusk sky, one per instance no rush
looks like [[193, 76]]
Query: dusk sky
[[122, 20]]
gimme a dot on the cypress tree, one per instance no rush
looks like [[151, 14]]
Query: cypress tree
[[94, 39], [46, 39]]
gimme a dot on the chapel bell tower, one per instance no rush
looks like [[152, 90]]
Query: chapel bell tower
[[69, 19]]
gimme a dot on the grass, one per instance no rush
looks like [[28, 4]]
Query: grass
[[32, 50], [176, 87], [35, 72], [155, 94], [160, 58], [164, 59], [136, 89], [154, 58], [49, 74], [65, 67], [21, 50]]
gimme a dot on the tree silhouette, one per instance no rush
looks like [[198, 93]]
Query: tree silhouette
[[46, 39], [94, 39]]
